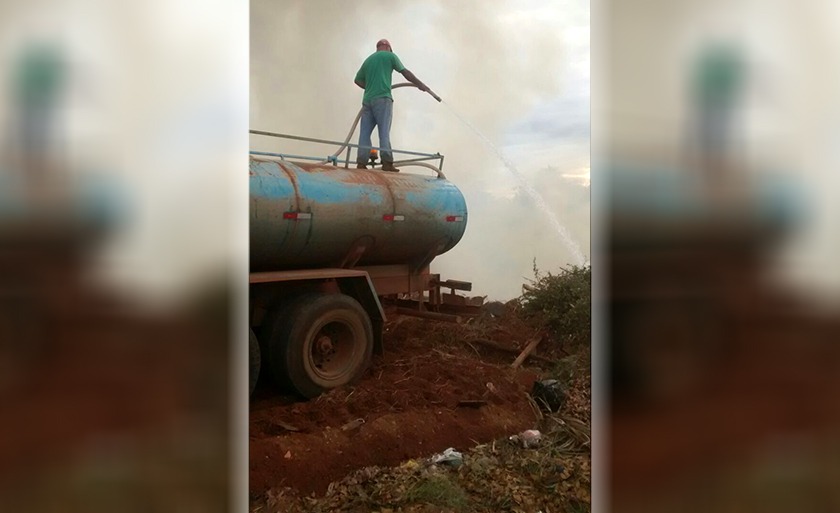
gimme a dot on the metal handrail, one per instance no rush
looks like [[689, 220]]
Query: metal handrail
[[326, 141], [422, 156]]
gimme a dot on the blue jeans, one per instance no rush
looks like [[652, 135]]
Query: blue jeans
[[377, 112]]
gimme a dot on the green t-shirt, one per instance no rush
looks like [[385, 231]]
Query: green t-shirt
[[39, 76], [718, 76], [376, 74]]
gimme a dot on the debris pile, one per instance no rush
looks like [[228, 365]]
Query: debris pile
[[442, 422]]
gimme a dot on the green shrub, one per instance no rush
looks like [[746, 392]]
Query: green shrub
[[562, 302]]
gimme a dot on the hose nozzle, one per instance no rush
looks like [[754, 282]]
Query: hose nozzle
[[436, 97]]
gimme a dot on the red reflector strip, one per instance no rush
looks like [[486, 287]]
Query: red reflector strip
[[393, 217], [454, 219], [297, 215]]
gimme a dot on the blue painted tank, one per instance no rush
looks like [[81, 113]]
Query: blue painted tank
[[312, 216]]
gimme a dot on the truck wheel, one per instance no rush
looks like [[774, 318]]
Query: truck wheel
[[325, 341], [253, 361]]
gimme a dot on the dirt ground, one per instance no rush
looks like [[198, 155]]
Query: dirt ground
[[107, 406], [752, 435], [409, 402]]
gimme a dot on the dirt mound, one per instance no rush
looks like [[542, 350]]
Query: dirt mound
[[431, 390], [100, 389], [498, 476], [776, 383]]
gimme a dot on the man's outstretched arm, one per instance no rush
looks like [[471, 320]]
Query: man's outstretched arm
[[414, 80]]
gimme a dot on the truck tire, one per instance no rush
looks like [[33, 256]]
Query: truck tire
[[324, 341], [253, 361]]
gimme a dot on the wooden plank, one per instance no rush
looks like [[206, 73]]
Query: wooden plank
[[495, 345], [527, 351], [472, 404], [429, 315]]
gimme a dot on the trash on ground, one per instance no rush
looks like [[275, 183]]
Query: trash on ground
[[549, 394], [449, 457], [410, 464], [353, 424], [287, 427], [528, 438]]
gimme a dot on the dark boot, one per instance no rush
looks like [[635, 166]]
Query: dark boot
[[361, 166], [389, 166]]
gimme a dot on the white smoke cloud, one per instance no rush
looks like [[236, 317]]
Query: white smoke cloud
[[517, 71]]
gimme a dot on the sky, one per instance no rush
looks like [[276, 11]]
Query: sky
[[517, 71]]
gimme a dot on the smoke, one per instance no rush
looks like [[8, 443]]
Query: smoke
[[501, 64]]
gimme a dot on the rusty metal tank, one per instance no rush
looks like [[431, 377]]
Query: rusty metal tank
[[314, 216]]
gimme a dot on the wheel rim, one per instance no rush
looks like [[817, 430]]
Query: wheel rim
[[333, 353]]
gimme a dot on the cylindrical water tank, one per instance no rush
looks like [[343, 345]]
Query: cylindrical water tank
[[312, 216]]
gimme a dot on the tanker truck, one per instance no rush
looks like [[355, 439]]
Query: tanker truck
[[330, 247]]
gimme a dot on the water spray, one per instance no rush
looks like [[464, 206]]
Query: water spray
[[535, 195]]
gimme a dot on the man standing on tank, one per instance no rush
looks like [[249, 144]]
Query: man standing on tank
[[377, 103]]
